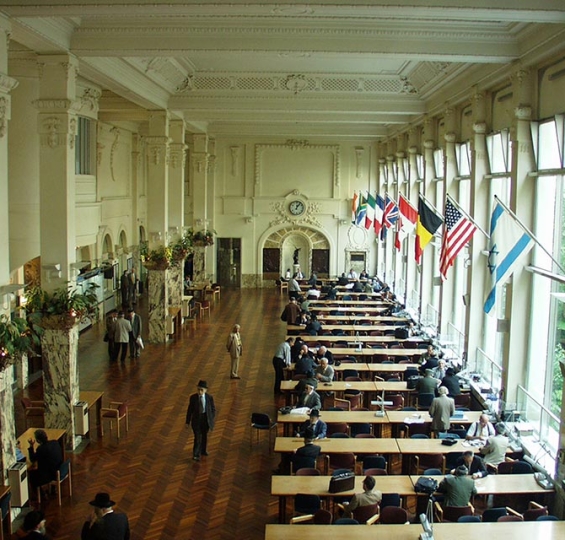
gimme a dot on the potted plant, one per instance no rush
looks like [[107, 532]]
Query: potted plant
[[204, 238], [62, 308], [182, 247], [156, 259], [17, 337]]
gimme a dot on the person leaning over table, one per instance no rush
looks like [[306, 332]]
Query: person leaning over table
[[324, 352], [304, 362], [369, 496], [474, 464], [293, 288], [310, 378], [494, 450], [451, 382], [318, 427], [427, 384], [458, 488], [441, 410], [281, 360]]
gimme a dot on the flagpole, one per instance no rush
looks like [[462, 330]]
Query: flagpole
[[433, 207], [517, 220], [466, 215]]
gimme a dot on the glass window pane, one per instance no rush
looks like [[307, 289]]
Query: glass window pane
[[548, 151]]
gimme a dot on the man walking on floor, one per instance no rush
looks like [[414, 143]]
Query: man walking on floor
[[201, 415]]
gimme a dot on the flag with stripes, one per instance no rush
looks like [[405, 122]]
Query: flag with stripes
[[379, 213], [426, 226], [509, 242], [406, 222], [370, 215], [354, 205], [458, 230], [390, 215], [361, 211]]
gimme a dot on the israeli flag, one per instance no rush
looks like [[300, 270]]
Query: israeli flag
[[508, 244]]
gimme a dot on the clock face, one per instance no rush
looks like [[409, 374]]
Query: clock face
[[296, 208]]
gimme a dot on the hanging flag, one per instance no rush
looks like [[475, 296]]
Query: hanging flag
[[390, 215], [509, 242], [426, 226], [458, 230], [370, 215], [379, 213], [354, 205], [361, 211], [406, 222]]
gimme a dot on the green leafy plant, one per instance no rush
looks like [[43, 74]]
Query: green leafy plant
[[204, 238], [158, 258], [17, 337], [182, 247], [62, 308]]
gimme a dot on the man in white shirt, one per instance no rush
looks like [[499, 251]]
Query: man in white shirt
[[482, 429], [352, 274]]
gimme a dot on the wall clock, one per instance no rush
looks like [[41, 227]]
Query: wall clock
[[296, 208]]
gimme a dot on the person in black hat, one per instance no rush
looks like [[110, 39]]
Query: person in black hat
[[200, 415], [314, 423], [34, 525], [104, 523]]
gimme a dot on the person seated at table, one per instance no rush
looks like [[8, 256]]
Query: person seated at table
[[364, 275], [482, 429], [48, 456], [342, 280], [296, 348], [318, 427], [357, 286], [33, 526], [352, 274], [368, 287], [441, 410], [313, 293], [458, 488], [298, 274], [304, 362], [324, 352], [313, 326], [430, 359], [440, 370], [427, 384], [287, 275], [494, 451], [324, 372], [451, 382], [291, 312], [310, 398], [313, 279], [310, 378], [369, 496], [474, 464], [304, 305], [332, 293]]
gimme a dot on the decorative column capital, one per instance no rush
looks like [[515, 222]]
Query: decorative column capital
[[480, 128], [523, 112], [429, 144], [450, 137]]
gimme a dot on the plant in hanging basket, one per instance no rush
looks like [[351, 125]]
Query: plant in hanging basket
[[204, 238], [17, 337], [156, 259], [62, 308]]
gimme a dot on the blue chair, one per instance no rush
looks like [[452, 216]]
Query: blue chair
[[432, 472], [64, 473], [419, 436], [306, 504], [390, 499], [360, 429], [424, 400], [374, 462], [491, 515], [261, 422], [547, 518], [522, 467], [302, 462], [469, 519]]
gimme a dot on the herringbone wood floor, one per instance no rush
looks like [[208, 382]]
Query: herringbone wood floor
[[150, 472]]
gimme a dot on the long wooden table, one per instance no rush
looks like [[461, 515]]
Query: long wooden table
[[288, 486], [59, 435], [376, 340], [342, 303], [341, 446], [421, 417], [348, 309], [528, 530]]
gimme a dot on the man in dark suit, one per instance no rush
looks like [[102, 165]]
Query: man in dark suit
[[474, 464], [34, 526], [135, 321], [104, 523], [201, 415], [48, 457]]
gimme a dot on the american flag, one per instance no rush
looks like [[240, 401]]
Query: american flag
[[458, 231]]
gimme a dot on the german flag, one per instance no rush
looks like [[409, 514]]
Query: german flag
[[428, 223]]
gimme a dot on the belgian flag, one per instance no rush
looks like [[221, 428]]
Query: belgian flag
[[426, 226]]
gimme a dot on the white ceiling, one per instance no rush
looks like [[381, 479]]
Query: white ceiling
[[359, 69]]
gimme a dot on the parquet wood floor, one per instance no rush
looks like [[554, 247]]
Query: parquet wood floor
[[150, 472]]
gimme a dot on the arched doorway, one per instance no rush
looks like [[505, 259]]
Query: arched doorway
[[279, 248]]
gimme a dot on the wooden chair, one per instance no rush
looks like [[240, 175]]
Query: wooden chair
[[534, 511], [321, 517], [452, 513], [64, 473], [283, 286], [368, 514], [429, 461], [203, 305], [117, 411], [33, 410], [393, 515], [213, 291]]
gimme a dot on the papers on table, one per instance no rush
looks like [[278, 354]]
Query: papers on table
[[300, 410]]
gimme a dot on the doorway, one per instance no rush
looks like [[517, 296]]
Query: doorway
[[229, 262]]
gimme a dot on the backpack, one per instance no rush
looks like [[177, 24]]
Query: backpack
[[425, 484]]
